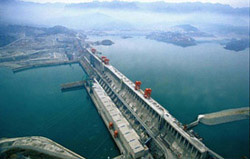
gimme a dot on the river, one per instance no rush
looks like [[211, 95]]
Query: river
[[32, 104], [186, 81], [190, 81]]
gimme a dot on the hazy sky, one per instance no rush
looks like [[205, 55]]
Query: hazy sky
[[233, 3]]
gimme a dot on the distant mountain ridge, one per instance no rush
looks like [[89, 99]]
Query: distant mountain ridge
[[30, 30], [10, 33], [165, 7], [160, 6]]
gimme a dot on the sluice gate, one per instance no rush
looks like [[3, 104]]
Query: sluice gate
[[155, 129]]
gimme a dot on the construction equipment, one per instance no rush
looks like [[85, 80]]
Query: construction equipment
[[93, 50], [106, 61], [147, 92], [137, 85]]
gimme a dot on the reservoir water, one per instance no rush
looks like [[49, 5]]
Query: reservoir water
[[32, 104], [190, 81], [186, 81]]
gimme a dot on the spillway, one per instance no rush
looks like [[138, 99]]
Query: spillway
[[155, 131]]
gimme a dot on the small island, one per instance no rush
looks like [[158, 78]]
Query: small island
[[173, 38], [104, 42], [237, 45]]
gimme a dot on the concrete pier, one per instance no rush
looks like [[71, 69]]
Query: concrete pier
[[221, 117], [72, 85], [45, 64]]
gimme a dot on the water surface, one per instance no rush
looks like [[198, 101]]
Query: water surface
[[186, 81], [32, 104], [190, 81]]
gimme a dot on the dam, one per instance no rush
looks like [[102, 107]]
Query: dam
[[139, 125]]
